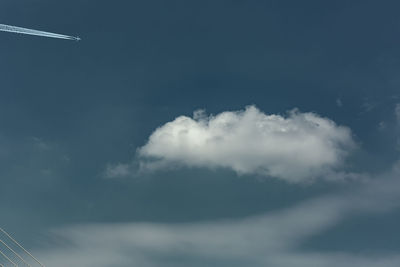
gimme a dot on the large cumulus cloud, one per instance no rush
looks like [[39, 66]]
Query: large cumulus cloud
[[297, 147]]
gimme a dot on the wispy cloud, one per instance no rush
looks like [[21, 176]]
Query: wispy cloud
[[117, 170], [397, 112], [272, 239], [339, 102]]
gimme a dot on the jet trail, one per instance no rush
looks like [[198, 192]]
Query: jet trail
[[20, 30]]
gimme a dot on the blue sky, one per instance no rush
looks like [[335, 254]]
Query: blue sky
[[212, 133]]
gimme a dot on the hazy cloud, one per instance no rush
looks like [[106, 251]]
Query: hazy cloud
[[117, 170], [297, 147], [397, 112], [339, 102], [273, 239]]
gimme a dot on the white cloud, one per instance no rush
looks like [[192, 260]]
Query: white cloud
[[273, 239], [117, 170], [297, 148]]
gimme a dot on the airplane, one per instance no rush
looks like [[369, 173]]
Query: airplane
[[20, 30]]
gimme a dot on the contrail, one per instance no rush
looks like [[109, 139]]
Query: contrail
[[20, 30]]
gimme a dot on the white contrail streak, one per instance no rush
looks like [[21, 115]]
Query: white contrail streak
[[20, 30]]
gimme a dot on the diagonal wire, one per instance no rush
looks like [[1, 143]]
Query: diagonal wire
[[21, 247], [9, 248], [5, 256]]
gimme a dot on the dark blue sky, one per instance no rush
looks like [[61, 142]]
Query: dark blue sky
[[70, 109]]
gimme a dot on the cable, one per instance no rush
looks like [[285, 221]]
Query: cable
[[4, 243], [19, 245], [5, 256]]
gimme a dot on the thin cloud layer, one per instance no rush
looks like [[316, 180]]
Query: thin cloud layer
[[296, 148], [273, 239]]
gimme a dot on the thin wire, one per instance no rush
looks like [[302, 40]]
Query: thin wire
[[4, 243], [5, 256], [19, 245]]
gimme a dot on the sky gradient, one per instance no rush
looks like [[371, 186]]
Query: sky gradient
[[202, 133]]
